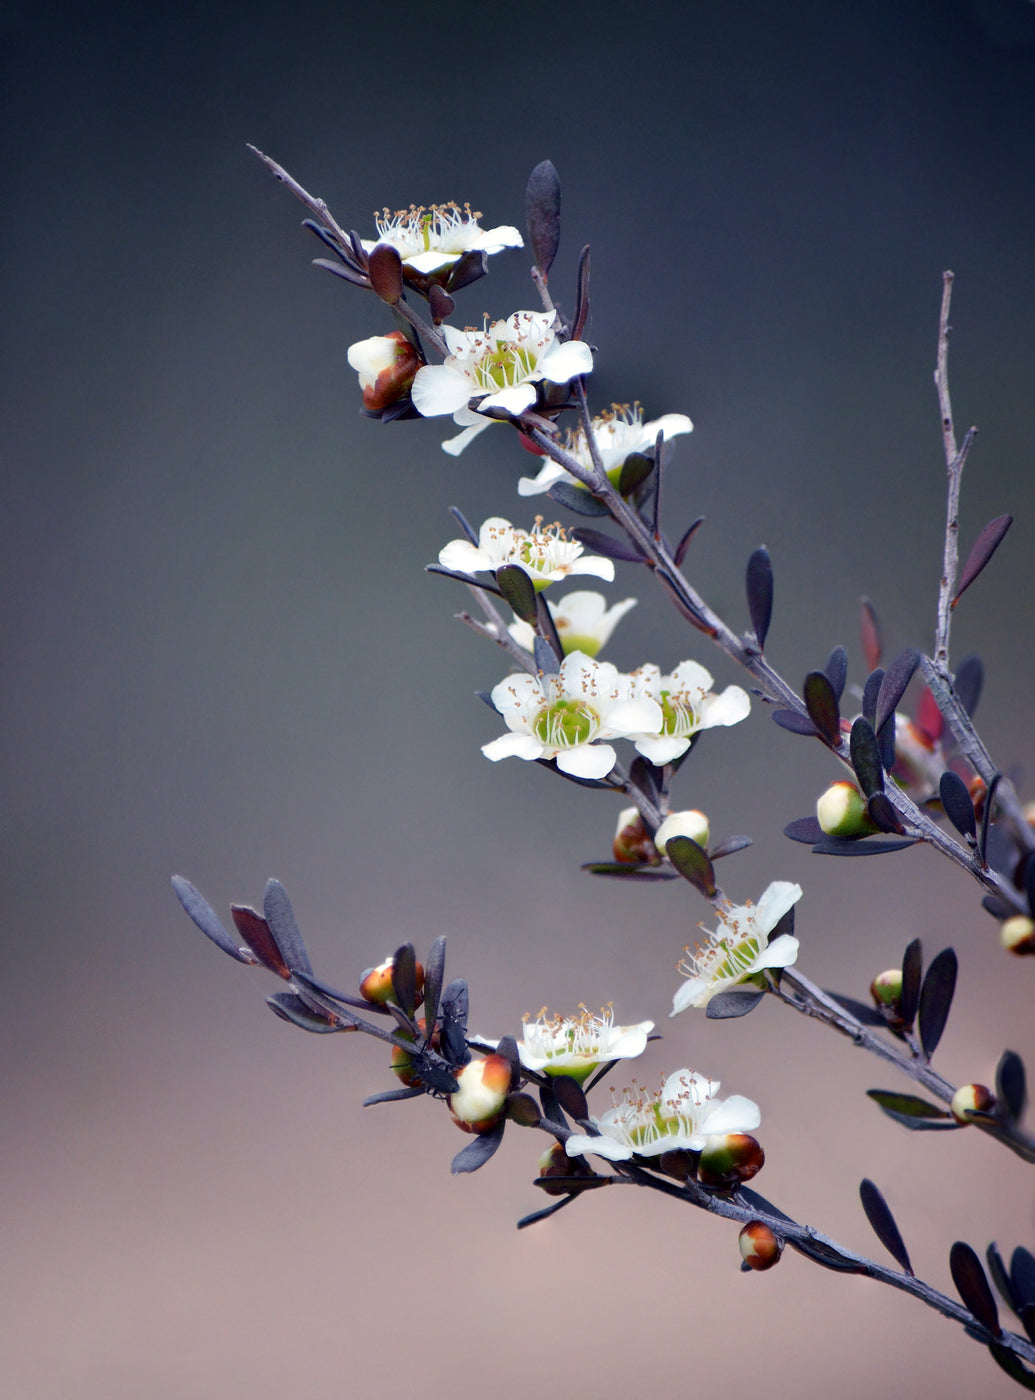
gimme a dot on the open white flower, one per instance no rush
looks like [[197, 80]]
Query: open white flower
[[545, 553], [564, 716], [684, 1115], [429, 239], [739, 948], [576, 1045], [617, 434], [687, 704], [498, 366], [583, 620]]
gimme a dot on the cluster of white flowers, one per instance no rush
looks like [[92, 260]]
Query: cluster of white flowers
[[616, 435], [430, 239]]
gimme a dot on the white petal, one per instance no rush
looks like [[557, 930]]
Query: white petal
[[782, 952], [463, 556], [525, 746], [595, 564], [513, 400], [734, 1115], [503, 236], [691, 676], [578, 1145], [565, 359], [774, 904], [689, 994], [431, 261], [730, 707], [539, 485], [440, 389], [664, 749], [455, 445], [634, 716], [587, 760], [671, 424]]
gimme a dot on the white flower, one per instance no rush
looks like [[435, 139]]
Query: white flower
[[386, 365], [575, 1045], [687, 705], [684, 1115], [545, 553], [739, 948], [499, 366], [436, 237], [561, 716], [583, 620], [617, 434]]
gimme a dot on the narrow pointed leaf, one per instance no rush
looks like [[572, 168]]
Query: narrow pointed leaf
[[464, 523], [1011, 1088], [574, 498], [636, 468], [404, 979], [204, 917], [968, 681], [871, 690], [986, 544], [392, 1096], [551, 1108], [869, 628], [883, 1223], [1022, 1277], [907, 1105], [546, 659], [794, 723], [972, 1286], [836, 671], [1026, 1313], [1011, 1363], [684, 543], [544, 1214], [581, 295], [936, 995], [357, 279], [569, 1094], [912, 972], [893, 686], [293, 1009], [1000, 1276], [861, 1010], [255, 931], [519, 591], [806, 829], [727, 1006], [621, 871], [986, 820], [434, 976], [957, 803], [506, 1047], [821, 703], [760, 594], [280, 917], [384, 266], [543, 212], [692, 863], [883, 814], [478, 1151], [610, 546], [865, 756], [848, 846], [729, 847]]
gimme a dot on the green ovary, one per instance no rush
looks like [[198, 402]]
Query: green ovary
[[506, 366], [677, 715], [565, 724]]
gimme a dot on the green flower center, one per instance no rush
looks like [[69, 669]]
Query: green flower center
[[678, 716], [506, 365], [564, 724]]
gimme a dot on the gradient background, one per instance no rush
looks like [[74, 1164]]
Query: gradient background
[[223, 658]]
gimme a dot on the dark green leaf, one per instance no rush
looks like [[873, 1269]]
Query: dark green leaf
[[434, 976], [861, 1010], [384, 266], [478, 1151], [519, 591], [546, 659], [893, 686], [684, 543], [280, 918], [866, 757], [1000, 1276], [821, 703], [692, 863], [986, 820], [870, 630], [610, 546], [636, 468], [201, 913], [848, 846], [727, 1006], [883, 1223], [908, 1105], [870, 692], [760, 593], [912, 972], [1022, 1277], [806, 829], [621, 871], [795, 723], [576, 499], [836, 670], [968, 681], [936, 996], [1012, 1365], [581, 295], [729, 847], [972, 1286], [883, 814], [543, 212], [568, 1093], [986, 544], [957, 803], [1010, 1086], [292, 1008], [404, 978]]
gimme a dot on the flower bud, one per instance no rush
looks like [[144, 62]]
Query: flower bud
[[632, 844], [970, 1099], [680, 1164], [841, 811], [729, 1159], [376, 983], [479, 1101], [759, 1247], [693, 824], [386, 365], [1017, 934], [886, 987], [555, 1162]]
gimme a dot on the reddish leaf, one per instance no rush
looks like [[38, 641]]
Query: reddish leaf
[[985, 546]]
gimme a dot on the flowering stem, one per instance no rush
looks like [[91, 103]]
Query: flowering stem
[[813, 1001], [824, 1251]]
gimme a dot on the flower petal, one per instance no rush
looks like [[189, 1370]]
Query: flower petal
[[564, 360], [587, 760], [440, 389], [513, 745], [775, 902], [733, 705]]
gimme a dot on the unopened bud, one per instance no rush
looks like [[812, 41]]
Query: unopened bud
[[729, 1159], [759, 1247], [841, 811], [680, 1164], [555, 1162], [692, 823], [1017, 935], [376, 983], [971, 1099], [886, 987], [479, 1101], [632, 844], [386, 365]]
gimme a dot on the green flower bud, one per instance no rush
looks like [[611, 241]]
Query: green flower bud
[[841, 811]]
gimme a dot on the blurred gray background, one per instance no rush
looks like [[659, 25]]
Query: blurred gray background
[[223, 658]]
